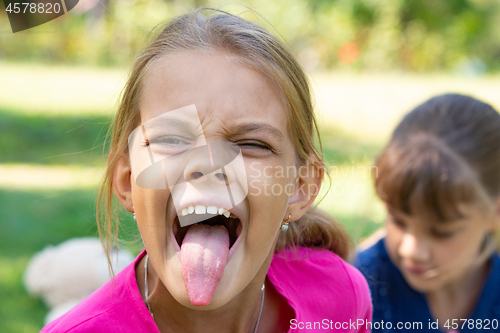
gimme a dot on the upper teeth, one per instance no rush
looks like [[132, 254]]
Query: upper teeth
[[200, 209]]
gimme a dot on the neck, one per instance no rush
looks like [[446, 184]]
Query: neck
[[238, 315], [458, 299]]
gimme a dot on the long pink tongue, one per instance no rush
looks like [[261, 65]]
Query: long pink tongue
[[204, 253]]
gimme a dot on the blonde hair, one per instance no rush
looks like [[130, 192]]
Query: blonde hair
[[252, 46]]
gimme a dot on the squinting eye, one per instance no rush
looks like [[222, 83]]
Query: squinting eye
[[254, 144], [169, 140], [169, 145]]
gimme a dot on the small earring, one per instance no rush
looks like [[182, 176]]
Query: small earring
[[135, 218], [284, 224]]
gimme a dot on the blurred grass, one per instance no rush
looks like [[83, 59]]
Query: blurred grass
[[52, 217], [45, 177], [369, 106], [30, 221], [348, 194], [53, 122], [18, 311], [343, 148], [59, 90], [48, 139]]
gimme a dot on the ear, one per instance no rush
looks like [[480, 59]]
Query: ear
[[122, 182], [306, 188]]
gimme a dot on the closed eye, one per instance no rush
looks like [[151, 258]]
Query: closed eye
[[397, 222], [443, 234], [256, 148], [255, 144]]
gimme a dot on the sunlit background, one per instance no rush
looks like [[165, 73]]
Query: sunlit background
[[370, 62]]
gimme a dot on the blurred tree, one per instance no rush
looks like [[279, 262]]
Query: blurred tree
[[413, 35]]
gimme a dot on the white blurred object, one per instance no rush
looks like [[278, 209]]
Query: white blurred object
[[471, 67], [65, 274]]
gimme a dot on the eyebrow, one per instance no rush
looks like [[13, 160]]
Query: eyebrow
[[259, 127], [456, 221], [401, 215]]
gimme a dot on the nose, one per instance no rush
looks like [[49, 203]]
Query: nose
[[200, 167], [220, 176], [414, 248]]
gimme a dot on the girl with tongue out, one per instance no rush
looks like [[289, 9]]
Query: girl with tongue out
[[213, 152]]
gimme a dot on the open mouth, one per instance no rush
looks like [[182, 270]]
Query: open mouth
[[231, 223]]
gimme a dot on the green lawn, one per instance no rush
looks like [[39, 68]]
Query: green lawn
[[52, 140], [31, 220], [52, 125]]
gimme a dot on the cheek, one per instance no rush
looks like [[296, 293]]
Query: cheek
[[268, 201], [266, 216], [459, 249], [150, 209], [268, 194], [269, 180]]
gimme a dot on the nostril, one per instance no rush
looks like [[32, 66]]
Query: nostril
[[221, 176], [196, 175]]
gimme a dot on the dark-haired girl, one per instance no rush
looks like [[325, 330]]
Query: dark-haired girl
[[438, 266]]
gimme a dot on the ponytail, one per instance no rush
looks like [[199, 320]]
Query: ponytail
[[317, 229]]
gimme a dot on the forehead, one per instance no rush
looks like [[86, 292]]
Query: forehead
[[216, 83]]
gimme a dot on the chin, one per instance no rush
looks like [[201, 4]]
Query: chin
[[422, 284], [421, 287]]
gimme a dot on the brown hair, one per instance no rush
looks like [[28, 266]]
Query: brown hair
[[254, 47], [444, 153]]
